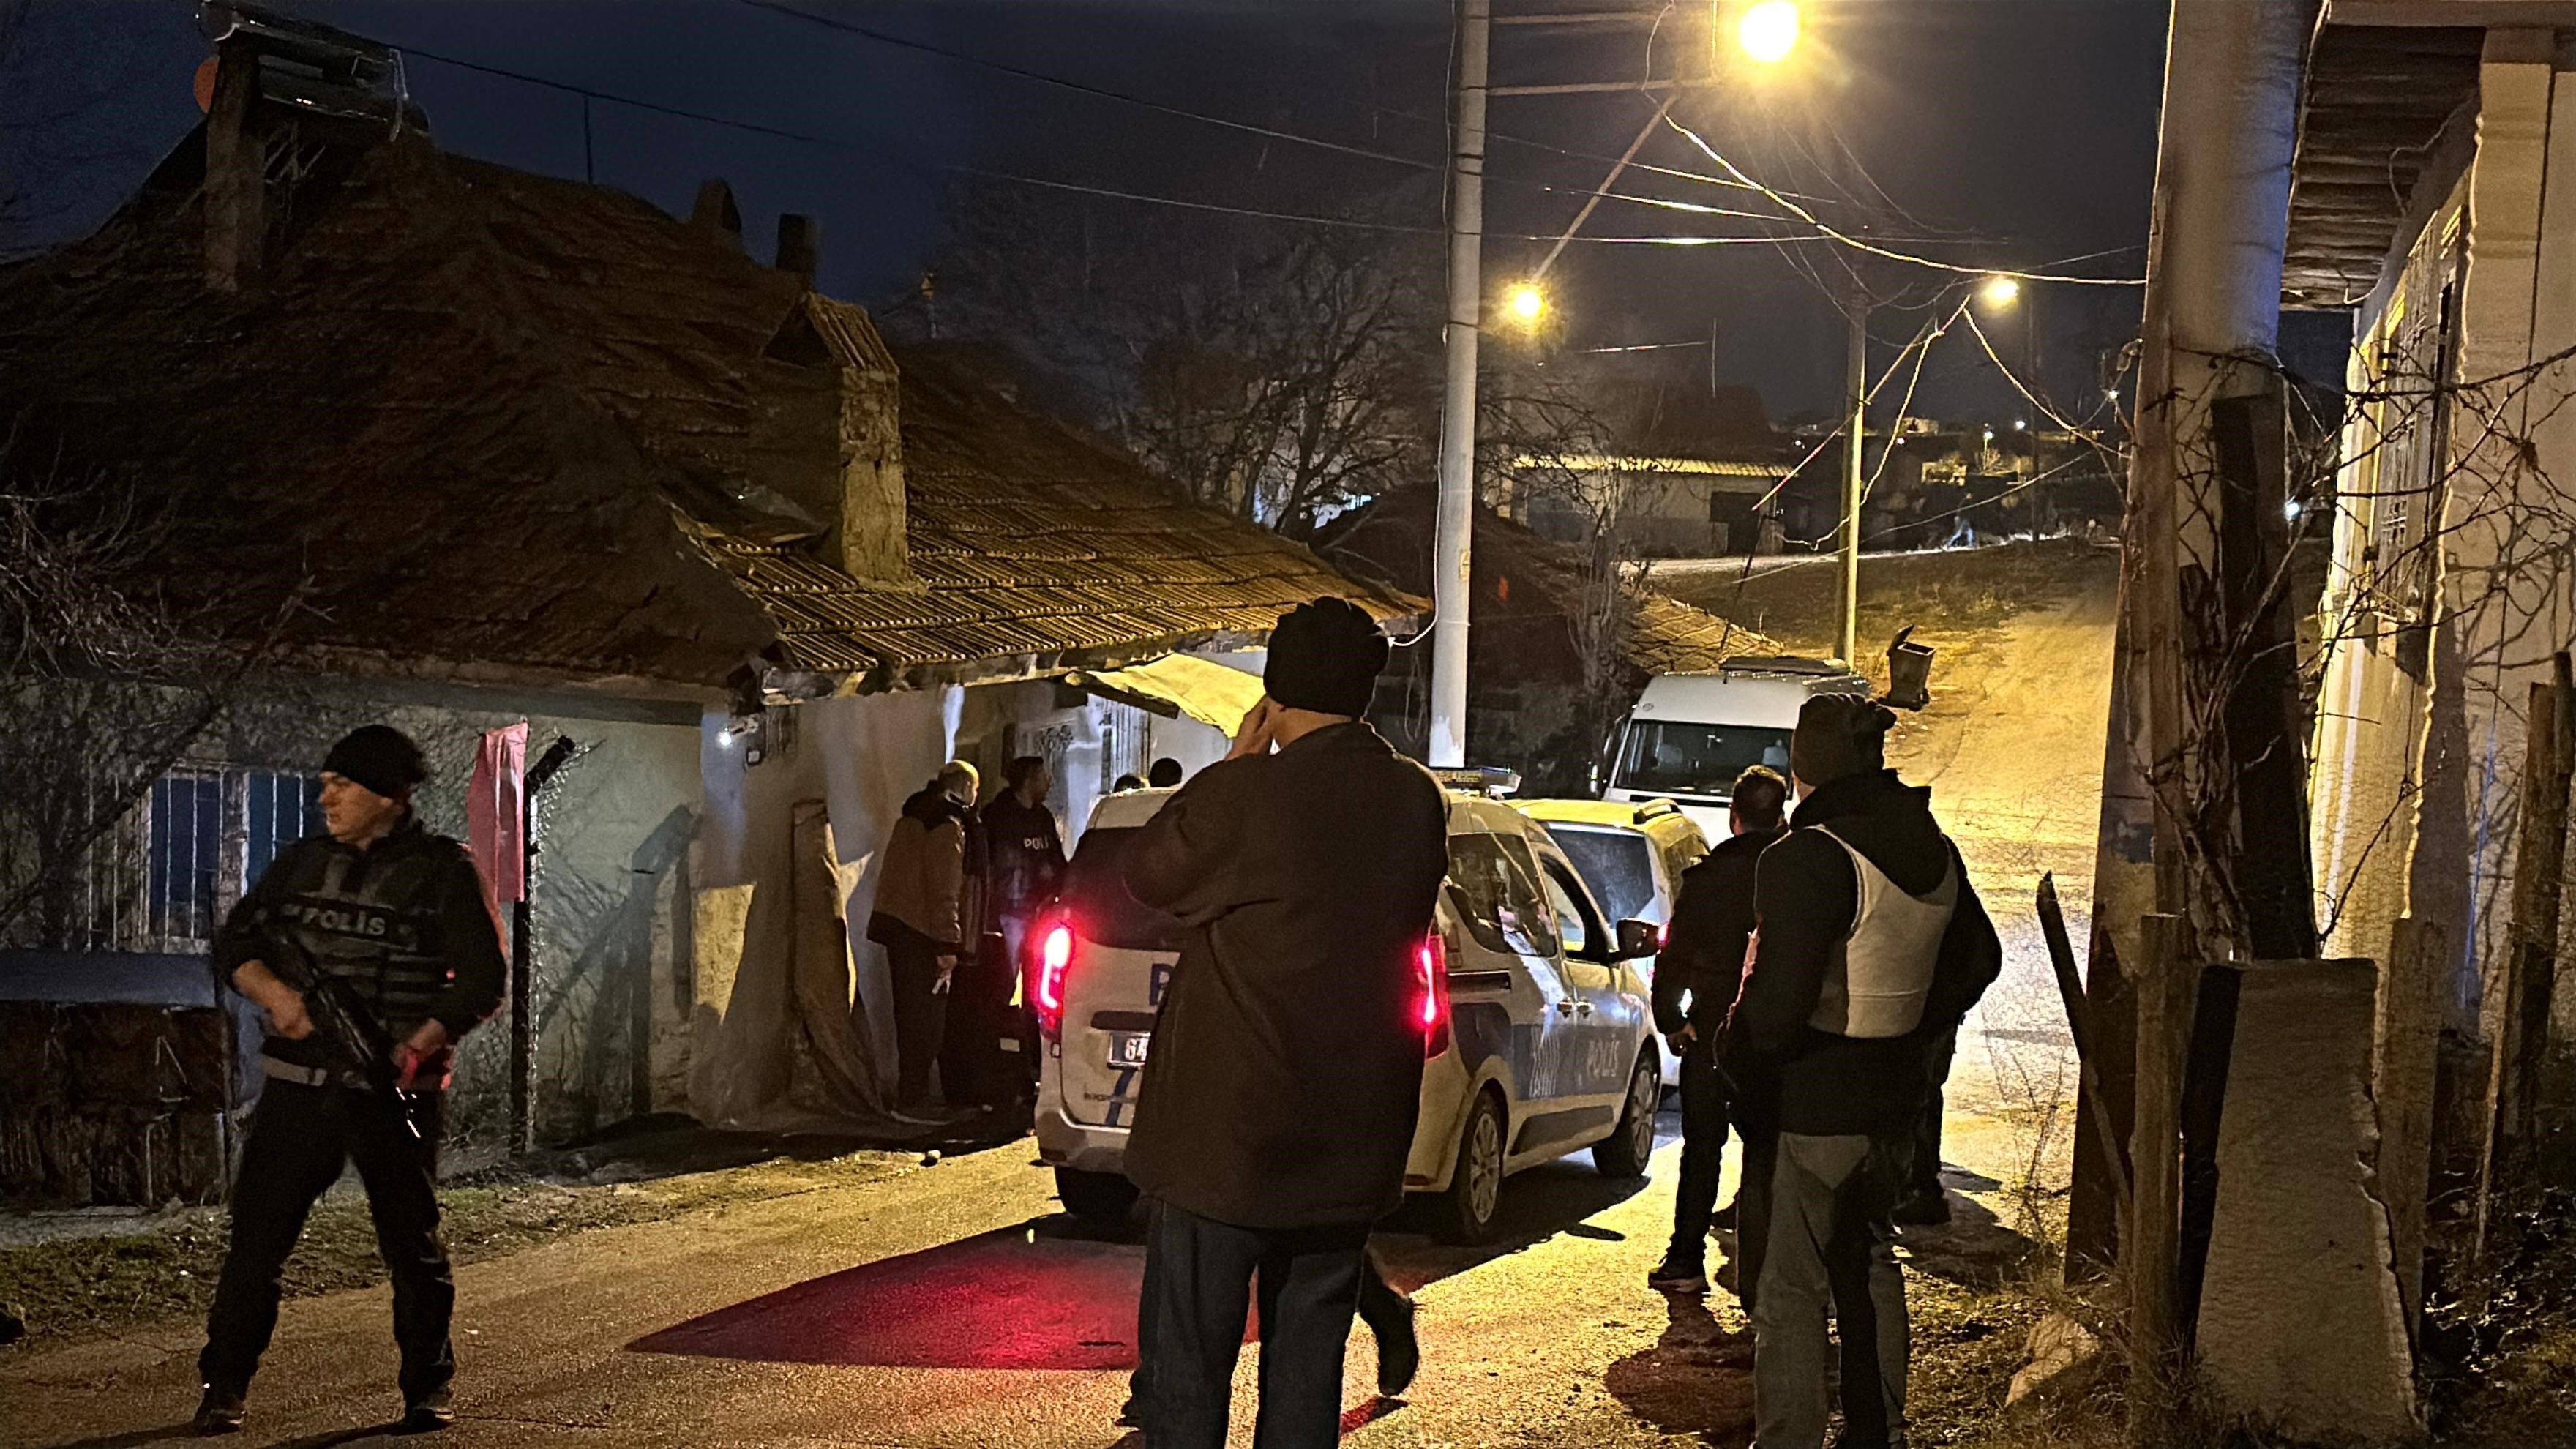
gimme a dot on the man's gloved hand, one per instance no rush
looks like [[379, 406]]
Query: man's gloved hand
[[425, 1043]]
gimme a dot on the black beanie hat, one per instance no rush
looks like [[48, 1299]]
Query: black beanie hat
[[379, 757], [1839, 735], [1325, 656]]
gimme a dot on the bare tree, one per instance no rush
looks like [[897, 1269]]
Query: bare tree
[[1280, 372], [108, 681]]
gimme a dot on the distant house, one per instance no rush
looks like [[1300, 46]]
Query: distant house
[[2430, 200], [1553, 664], [1690, 473], [507, 448]]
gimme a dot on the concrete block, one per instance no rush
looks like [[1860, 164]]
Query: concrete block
[[2301, 1329]]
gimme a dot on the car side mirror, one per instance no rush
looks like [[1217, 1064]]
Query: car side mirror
[[1639, 939]]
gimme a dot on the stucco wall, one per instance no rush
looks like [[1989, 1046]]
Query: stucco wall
[[611, 953]]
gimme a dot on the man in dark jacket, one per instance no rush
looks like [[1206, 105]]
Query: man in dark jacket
[[401, 926], [1871, 946], [1703, 961], [1275, 1121], [1024, 850], [920, 917]]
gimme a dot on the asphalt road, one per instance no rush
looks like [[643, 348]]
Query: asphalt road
[[954, 1305]]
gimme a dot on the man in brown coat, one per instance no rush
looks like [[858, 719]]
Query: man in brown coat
[[920, 918], [1276, 1118]]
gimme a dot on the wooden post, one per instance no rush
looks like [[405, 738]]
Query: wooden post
[[2406, 1043], [2531, 954], [2070, 990], [2163, 986]]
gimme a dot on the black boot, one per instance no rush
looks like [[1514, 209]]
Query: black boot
[[435, 1409], [219, 1412]]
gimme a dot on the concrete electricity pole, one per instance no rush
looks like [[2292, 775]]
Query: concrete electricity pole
[[1856, 409], [1453, 537], [2207, 372]]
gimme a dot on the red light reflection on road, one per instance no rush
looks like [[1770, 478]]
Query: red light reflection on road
[[1001, 1300]]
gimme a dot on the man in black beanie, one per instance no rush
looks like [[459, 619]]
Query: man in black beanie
[[1869, 948], [1274, 1123], [396, 925]]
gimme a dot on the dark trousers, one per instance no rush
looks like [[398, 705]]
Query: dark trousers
[[300, 1137], [920, 1016], [1816, 1243], [1201, 1277], [1704, 1123], [1923, 1172]]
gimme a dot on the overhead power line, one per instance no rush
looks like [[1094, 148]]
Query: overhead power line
[[1112, 193]]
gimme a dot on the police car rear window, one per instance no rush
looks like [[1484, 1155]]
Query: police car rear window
[[1095, 893]]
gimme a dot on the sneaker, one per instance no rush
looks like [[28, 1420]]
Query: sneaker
[[1674, 1276], [433, 1410], [1399, 1353], [1922, 1210], [219, 1412]]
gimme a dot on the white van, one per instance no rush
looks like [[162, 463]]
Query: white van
[[1538, 1033], [1692, 734]]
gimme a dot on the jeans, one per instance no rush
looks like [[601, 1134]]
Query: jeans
[[1817, 1238], [920, 1017], [1201, 1277], [1704, 1123], [300, 1137]]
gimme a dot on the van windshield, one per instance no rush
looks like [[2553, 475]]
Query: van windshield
[[1680, 757], [1095, 895]]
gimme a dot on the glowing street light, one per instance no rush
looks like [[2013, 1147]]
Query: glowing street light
[[1999, 292], [1527, 302], [1769, 30]]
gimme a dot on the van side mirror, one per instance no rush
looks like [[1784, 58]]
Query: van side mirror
[[1638, 940]]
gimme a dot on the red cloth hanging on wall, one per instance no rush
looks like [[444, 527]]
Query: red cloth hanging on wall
[[496, 812]]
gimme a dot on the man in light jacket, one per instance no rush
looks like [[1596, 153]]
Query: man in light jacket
[[920, 919], [1871, 947], [1274, 1124]]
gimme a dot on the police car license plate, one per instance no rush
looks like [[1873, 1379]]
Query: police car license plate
[[1127, 1048]]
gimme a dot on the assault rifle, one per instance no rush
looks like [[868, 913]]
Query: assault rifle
[[345, 1025]]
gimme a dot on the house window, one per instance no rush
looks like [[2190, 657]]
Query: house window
[[208, 835]]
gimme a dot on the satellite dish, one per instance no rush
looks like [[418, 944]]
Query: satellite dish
[[205, 84]]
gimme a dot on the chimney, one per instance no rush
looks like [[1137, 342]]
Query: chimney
[[236, 170], [800, 245], [715, 212]]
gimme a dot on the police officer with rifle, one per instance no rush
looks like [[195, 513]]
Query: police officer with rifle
[[372, 948]]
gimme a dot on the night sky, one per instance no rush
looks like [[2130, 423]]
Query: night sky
[[2001, 132]]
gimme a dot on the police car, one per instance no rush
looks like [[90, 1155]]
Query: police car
[[1538, 1037], [1632, 857]]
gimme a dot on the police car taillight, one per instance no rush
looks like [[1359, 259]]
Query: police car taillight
[[1431, 1009], [1048, 965]]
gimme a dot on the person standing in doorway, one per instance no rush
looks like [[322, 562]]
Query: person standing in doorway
[[1696, 979], [1026, 850], [394, 925], [920, 919], [1274, 1125], [1870, 945], [1166, 773]]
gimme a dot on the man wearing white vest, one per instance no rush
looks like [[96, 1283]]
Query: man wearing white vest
[[1870, 947]]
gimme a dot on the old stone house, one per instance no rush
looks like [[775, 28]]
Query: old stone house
[[461, 447]]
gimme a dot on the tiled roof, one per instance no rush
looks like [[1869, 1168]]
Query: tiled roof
[[508, 424]]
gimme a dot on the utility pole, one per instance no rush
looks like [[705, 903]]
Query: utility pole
[[2207, 375], [1453, 538], [1856, 408]]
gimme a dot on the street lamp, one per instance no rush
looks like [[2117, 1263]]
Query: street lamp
[[1769, 30], [1999, 292], [1527, 303]]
